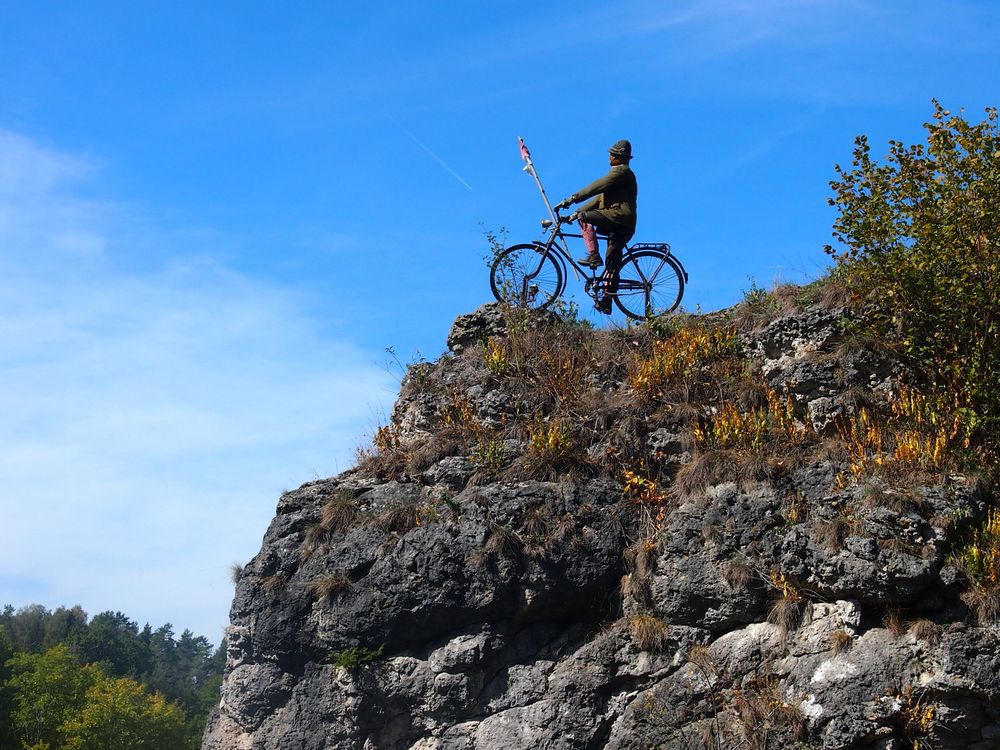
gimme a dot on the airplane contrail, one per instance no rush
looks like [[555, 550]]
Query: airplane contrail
[[427, 149], [434, 156]]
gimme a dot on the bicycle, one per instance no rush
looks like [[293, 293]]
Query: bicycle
[[650, 279]]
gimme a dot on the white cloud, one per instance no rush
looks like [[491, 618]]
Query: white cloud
[[150, 419]]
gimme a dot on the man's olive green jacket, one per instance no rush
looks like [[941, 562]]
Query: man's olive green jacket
[[614, 194]]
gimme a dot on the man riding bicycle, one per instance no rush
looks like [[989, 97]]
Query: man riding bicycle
[[611, 210]]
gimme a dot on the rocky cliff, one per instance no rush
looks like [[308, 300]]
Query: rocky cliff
[[710, 532]]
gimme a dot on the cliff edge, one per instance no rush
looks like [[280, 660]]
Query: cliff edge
[[724, 531]]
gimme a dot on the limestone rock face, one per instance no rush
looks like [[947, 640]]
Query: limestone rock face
[[479, 587]]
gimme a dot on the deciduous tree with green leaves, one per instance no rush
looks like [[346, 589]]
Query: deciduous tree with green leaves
[[6, 700], [919, 242], [47, 690], [59, 704], [118, 714]]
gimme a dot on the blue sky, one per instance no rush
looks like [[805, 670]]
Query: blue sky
[[216, 217]]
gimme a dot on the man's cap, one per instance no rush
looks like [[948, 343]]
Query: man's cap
[[622, 149]]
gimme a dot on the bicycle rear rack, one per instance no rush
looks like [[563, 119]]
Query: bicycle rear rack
[[663, 247]]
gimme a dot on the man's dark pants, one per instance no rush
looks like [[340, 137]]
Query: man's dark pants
[[618, 237]]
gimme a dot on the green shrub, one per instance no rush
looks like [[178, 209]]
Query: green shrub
[[357, 656], [920, 236]]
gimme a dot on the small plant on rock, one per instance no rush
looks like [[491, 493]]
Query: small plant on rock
[[385, 456], [641, 489], [978, 557], [916, 432], [671, 360], [490, 455], [551, 448], [496, 357], [357, 656], [787, 610], [916, 719], [765, 718], [750, 430]]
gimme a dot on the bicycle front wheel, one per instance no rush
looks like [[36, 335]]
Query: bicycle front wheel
[[650, 283], [526, 276]]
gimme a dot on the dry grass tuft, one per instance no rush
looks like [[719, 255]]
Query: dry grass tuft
[[273, 584], [235, 572], [642, 556], [635, 587], [925, 630], [984, 602], [872, 495], [754, 467], [533, 550], [565, 531], [706, 468], [397, 520], [330, 585], [385, 458], [892, 622], [536, 522], [339, 513], [787, 611], [751, 393], [832, 293], [766, 719], [503, 542], [648, 632], [831, 534], [640, 562], [314, 538], [840, 641], [756, 311], [736, 574], [701, 657]]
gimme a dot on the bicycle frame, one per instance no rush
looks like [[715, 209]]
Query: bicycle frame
[[557, 245], [557, 242]]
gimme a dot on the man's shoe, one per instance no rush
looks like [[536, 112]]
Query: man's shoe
[[591, 260], [604, 306]]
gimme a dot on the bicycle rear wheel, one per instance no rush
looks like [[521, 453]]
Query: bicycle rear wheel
[[650, 283], [526, 276]]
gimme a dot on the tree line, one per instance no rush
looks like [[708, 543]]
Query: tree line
[[71, 682]]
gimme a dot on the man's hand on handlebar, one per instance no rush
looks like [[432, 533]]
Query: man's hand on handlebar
[[568, 219], [564, 203]]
